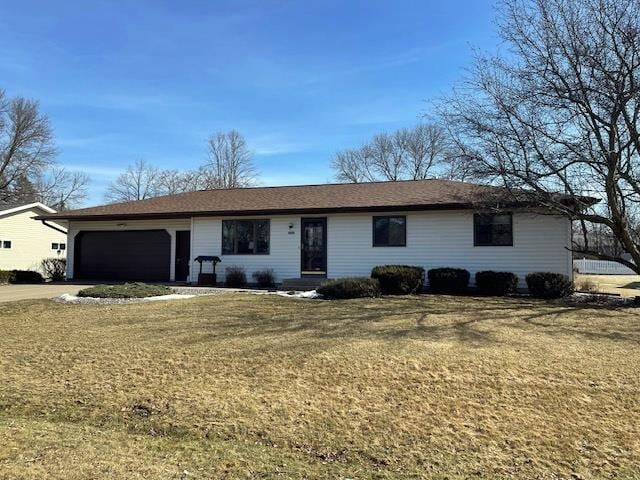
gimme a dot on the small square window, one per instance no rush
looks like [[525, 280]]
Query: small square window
[[6, 244], [63, 246], [493, 230], [390, 231], [55, 246]]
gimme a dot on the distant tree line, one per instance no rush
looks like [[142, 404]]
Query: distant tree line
[[229, 164], [424, 151], [29, 171]]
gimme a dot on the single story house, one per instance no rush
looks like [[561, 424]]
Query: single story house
[[315, 231], [25, 243]]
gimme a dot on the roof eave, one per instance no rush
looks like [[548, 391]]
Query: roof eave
[[287, 211]]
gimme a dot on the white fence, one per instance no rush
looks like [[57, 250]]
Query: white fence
[[602, 267]]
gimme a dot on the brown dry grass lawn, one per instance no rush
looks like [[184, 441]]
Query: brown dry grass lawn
[[244, 386]]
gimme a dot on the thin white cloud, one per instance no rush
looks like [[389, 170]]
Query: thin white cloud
[[121, 101], [91, 140], [95, 170], [274, 144], [308, 74]]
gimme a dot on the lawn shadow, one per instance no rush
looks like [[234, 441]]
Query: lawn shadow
[[630, 334], [474, 321]]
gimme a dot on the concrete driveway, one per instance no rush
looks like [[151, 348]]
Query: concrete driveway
[[10, 293], [623, 285]]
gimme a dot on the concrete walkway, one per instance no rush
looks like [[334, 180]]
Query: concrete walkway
[[10, 293]]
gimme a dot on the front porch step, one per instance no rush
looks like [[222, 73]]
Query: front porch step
[[303, 284]]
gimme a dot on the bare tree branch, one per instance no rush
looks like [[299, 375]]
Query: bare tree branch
[[406, 154], [560, 113], [230, 164], [139, 182], [28, 171]]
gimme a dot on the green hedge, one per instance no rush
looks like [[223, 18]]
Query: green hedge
[[399, 279], [125, 290], [496, 283], [352, 287], [20, 276], [448, 280], [549, 285]]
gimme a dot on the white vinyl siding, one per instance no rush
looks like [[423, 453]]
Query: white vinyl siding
[[283, 256], [170, 226], [434, 239], [30, 240], [445, 239]]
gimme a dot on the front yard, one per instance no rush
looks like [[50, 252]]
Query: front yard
[[244, 386]]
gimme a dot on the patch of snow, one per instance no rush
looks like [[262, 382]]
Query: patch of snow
[[307, 294], [68, 298]]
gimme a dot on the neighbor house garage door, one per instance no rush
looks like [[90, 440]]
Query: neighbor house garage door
[[143, 255]]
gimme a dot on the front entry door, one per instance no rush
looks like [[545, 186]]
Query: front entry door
[[183, 252], [314, 247]]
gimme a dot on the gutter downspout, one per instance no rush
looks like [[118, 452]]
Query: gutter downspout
[[44, 222]]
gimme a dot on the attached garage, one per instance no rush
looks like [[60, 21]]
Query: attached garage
[[141, 255]]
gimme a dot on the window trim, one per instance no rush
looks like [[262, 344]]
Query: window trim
[[62, 246], [475, 235], [373, 231], [235, 253], [57, 246]]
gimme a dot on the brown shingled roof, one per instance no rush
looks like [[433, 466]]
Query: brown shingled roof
[[328, 198]]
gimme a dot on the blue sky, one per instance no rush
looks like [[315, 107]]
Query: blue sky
[[151, 80]]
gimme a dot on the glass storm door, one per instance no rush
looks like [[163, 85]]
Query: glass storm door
[[314, 246]]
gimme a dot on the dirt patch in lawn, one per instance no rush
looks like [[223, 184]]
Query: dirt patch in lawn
[[248, 386]]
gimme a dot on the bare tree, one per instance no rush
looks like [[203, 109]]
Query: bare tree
[[387, 155], [426, 147], [28, 170], [175, 181], [61, 189], [560, 113], [230, 164], [138, 182], [413, 154], [354, 166]]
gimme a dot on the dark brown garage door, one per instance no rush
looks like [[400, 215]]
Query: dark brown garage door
[[142, 255]]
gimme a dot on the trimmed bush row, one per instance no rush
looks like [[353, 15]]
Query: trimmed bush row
[[399, 279], [350, 287], [20, 276], [406, 279]]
